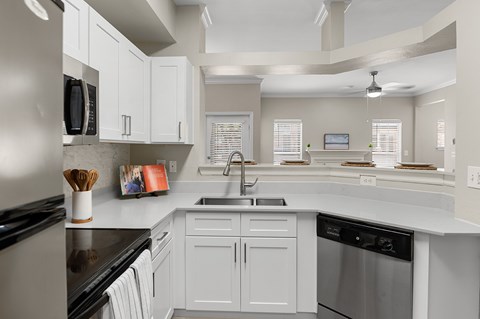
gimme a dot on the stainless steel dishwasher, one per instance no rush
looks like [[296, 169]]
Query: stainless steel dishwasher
[[364, 271]]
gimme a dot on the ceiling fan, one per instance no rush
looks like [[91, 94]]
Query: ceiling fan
[[375, 90]]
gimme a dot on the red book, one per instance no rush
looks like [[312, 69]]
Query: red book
[[155, 178]]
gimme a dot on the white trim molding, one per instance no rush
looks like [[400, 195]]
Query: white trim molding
[[321, 15], [205, 17], [233, 79], [436, 87]]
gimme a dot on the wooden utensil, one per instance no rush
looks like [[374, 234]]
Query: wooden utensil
[[92, 178], [74, 175], [68, 176], [82, 180]]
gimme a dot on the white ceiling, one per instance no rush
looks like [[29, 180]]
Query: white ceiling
[[287, 25], [424, 73]]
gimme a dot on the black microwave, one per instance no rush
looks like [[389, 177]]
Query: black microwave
[[80, 103]]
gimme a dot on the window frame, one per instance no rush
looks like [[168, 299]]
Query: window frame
[[235, 117], [441, 147], [301, 139], [399, 139]]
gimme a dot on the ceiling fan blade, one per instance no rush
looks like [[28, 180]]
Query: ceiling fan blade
[[397, 86]]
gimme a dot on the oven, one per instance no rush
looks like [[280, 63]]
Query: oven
[[95, 259]]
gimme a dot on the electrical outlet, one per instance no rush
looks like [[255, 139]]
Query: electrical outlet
[[172, 166], [369, 180], [473, 177], [405, 153], [159, 161]]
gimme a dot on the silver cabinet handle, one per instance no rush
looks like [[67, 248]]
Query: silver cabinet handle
[[245, 252], [235, 254], [86, 106], [165, 234], [179, 130], [129, 125], [124, 125]]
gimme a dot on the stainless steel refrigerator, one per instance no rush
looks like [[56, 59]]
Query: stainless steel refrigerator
[[32, 234]]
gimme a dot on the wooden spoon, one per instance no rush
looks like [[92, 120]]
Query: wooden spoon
[[82, 180], [74, 175], [68, 176], [93, 177]]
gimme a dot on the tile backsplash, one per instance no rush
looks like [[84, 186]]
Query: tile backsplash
[[104, 157]]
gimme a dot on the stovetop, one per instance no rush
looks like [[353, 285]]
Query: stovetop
[[91, 252]]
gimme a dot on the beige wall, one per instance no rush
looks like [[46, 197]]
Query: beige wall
[[438, 104], [189, 34], [237, 98], [336, 115], [467, 200], [165, 10], [105, 158]]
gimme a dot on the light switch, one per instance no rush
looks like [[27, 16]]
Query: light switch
[[369, 180], [473, 177], [172, 166]]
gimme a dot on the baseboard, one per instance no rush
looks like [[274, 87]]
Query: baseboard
[[182, 313]]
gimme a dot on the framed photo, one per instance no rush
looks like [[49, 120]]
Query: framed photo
[[336, 141]]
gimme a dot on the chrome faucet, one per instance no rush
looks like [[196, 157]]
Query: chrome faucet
[[226, 172]]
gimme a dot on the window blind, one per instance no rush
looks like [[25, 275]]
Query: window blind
[[440, 134], [287, 140], [387, 143], [225, 138]]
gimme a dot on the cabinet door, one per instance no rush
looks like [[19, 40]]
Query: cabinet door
[[134, 92], [269, 273], [75, 30], [163, 284], [213, 273], [105, 48], [168, 100]]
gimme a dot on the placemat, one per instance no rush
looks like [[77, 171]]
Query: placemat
[[418, 168], [358, 165]]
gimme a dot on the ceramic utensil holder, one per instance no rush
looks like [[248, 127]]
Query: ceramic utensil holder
[[82, 207]]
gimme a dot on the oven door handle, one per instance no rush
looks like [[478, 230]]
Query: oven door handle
[[92, 309]]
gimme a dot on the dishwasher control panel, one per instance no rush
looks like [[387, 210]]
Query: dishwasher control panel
[[383, 240]]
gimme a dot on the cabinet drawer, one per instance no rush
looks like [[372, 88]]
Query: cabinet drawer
[[161, 235], [269, 225], [213, 224]]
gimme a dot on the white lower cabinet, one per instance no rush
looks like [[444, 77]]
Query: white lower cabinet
[[269, 275], [248, 274], [213, 273], [162, 266]]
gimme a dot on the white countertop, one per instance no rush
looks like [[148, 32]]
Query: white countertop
[[109, 212]]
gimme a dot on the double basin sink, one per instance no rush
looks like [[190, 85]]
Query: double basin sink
[[248, 201]]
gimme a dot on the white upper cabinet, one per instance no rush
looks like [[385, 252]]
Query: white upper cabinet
[[75, 30], [105, 48], [124, 83], [134, 93], [172, 100]]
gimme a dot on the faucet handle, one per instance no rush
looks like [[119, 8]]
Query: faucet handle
[[251, 184]]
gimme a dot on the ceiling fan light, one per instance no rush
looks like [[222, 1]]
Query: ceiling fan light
[[374, 91]]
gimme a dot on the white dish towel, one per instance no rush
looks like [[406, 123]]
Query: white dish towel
[[143, 275], [123, 297]]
